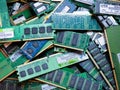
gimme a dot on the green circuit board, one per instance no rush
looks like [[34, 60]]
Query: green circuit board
[[113, 37]]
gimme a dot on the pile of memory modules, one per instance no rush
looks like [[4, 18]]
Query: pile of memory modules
[[59, 45]]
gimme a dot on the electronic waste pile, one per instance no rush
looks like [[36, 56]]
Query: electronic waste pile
[[59, 45]]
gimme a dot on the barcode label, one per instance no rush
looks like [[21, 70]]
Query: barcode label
[[19, 20], [37, 4], [15, 56], [65, 10], [47, 87], [110, 9], [71, 56], [118, 55], [39, 10], [6, 33]]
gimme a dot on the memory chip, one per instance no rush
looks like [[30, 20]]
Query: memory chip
[[95, 86], [75, 39], [80, 84], [88, 84], [44, 66], [99, 57], [37, 68], [91, 46], [34, 30], [30, 51], [95, 52], [22, 73], [49, 29], [60, 37], [30, 71], [35, 44], [58, 76], [50, 76], [27, 31], [41, 29], [72, 81]]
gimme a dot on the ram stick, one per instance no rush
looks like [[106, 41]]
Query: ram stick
[[22, 15], [102, 61], [65, 6], [112, 36], [89, 67], [106, 21], [32, 48], [4, 16], [26, 32], [107, 7], [67, 80], [9, 64], [73, 40], [47, 64], [75, 21], [42, 8]]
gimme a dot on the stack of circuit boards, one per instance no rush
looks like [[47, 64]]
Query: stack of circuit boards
[[59, 45]]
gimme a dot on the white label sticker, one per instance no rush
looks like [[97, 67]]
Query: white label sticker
[[71, 56], [19, 20], [113, 20], [47, 87], [118, 55], [15, 56], [37, 4], [89, 2], [65, 10], [16, 6], [110, 9], [41, 9], [6, 33]]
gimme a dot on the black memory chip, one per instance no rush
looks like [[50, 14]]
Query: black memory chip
[[49, 29], [80, 83], [22, 73], [44, 66], [60, 37], [103, 62], [75, 39], [87, 85], [91, 46], [41, 29], [37, 68], [35, 44], [95, 86], [30, 71], [72, 81], [27, 31], [99, 57], [58, 76], [34, 30], [50, 75], [95, 52], [29, 50]]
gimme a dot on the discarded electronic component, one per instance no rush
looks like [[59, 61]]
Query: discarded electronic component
[[11, 47], [100, 58], [99, 39], [112, 35], [24, 14], [32, 48], [16, 6], [72, 40], [88, 66], [26, 32], [9, 64], [67, 80], [4, 16], [41, 8], [47, 64], [80, 21], [88, 2], [66, 7], [107, 7], [106, 21]]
